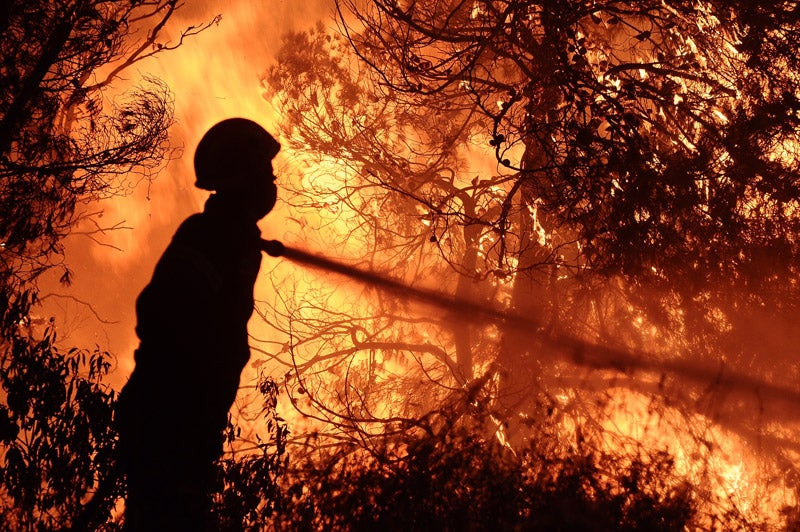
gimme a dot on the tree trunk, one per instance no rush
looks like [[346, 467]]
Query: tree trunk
[[465, 290]]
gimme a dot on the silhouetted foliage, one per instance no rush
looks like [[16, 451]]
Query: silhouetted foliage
[[56, 432], [248, 492]]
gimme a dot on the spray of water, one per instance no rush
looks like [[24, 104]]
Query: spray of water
[[567, 346]]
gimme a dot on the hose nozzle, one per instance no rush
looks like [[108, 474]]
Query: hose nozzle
[[273, 248]]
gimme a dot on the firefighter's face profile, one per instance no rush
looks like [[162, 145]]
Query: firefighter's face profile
[[259, 197]]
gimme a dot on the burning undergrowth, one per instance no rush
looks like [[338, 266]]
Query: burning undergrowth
[[448, 470]]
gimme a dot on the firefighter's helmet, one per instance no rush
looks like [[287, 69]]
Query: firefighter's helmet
[[232, 154]]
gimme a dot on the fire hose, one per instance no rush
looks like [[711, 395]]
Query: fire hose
[[572, 348]]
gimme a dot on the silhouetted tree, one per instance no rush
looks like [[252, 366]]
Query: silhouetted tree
[[646, 187], [656, 142], [644, 196], [61, 145], [404, 179]]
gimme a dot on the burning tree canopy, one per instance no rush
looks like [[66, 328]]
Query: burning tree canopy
[[649, 141], [644, 195], [622, 174]]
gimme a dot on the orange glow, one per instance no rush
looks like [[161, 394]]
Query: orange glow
[[392, 358], [733, 470]]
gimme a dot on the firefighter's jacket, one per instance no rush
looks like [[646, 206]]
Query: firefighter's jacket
[[192, 325]]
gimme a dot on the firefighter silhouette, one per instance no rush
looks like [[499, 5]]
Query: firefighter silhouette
[[192, 326]]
